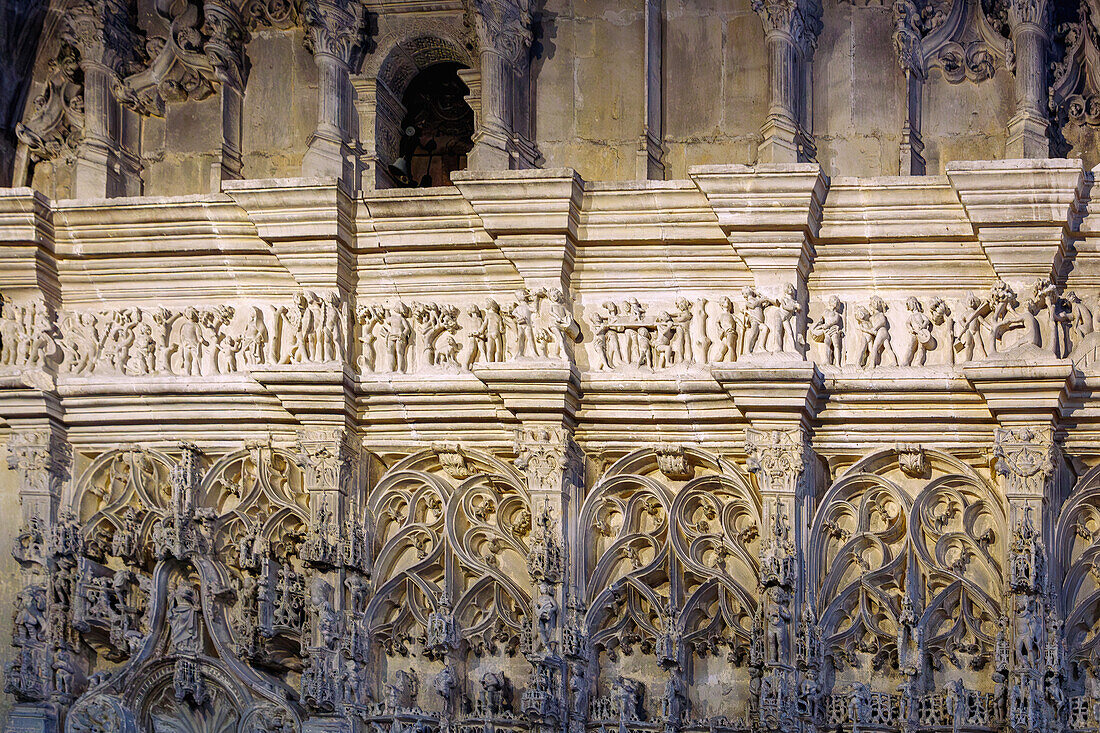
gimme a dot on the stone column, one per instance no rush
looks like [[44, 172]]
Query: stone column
[[788, 33], [45, 669], [907, 43], [225, 50], [334, 30], [100, 30], [504, 34], [650, 149], [1029, 31]]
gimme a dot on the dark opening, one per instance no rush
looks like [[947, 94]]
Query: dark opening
[[438, 129]]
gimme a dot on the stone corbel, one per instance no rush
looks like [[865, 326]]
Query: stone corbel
[[790, 32], [334, 34], [1023, 213]]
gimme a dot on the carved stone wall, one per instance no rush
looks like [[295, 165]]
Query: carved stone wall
[[107, 98], [753, 450]]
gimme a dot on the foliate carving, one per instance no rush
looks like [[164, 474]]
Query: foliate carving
[[548, 455], [913, 460], [504, 26], [102, 31], [777, 457], [333, 27], [799, 20], [1026, 457], [178, 68], [42, 458], [274, 13], [674, 462], [56, 124]]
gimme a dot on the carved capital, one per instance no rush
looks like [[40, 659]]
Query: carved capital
[[778, 458], [224, 26], [798, 20], [102, 31], [1029, 13], [42, 458], [1026, 457], [548, 455], [504, 26], [333, 28], [328, 459]]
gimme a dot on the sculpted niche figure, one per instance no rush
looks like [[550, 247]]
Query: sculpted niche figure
[[184, 621]]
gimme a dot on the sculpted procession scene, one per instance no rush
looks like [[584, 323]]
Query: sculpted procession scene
[[493, 366]]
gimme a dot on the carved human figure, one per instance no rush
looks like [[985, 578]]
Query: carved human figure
[[645, 346], [880, 325], [546, 616], [30, 618], [446, 686], [612, 349], [829, 330], [789, 308], [397, 331], [973, 328], [185, 635], [727, 332], [191, 342], [700, 339], [332, 328], [475, 337], [865, 336], [1001, 318], [144, 360], [1029, 319], [578, 692], [64, 675], [756, 328], [368, 318], [254, 338], [628, 337], [328, 623], [494, 332], [1080, 315], [682, 344], [523, 313], [601, 327], [920, 339], [1027, 632], [664, 353], [494, 693], [674, 701], [777, 616]]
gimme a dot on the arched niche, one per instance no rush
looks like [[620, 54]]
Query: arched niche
[[383, 86]]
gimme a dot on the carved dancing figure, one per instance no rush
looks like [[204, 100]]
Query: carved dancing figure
[[920, 333], [681, 344], [700, 340], [191, 342], [880, 325], [612, 350], [789, 308], [756, 328], [727, 332]]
